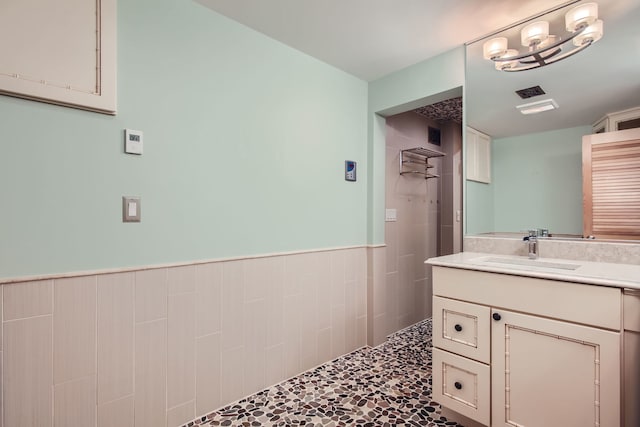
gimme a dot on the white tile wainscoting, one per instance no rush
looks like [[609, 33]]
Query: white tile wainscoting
[[160, 346]]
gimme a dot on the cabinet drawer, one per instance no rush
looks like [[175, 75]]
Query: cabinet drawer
[[462, 328], [462, 385]]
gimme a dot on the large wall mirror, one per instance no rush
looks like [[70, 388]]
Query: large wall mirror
[[536, 161]]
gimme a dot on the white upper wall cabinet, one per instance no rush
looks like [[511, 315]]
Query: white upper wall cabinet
[[61, 52], [620, 120], [478, 156]]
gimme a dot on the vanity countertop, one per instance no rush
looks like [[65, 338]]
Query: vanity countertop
[[589, 272]]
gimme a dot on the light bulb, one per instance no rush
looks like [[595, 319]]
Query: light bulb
[[534, 33], [592, 34], [494, 48], [507, 65], [582, 15]]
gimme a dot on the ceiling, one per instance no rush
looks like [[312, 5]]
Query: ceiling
[[372, 38]]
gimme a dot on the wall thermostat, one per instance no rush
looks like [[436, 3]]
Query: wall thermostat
[[349, 170], [132, 141]]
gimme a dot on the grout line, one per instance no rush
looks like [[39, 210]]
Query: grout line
[[195, 363], [51, 325], [150, 321], [28, 317], [117, 399], [166, 349], [134, 346], [84, 377], [182, 404], [2, 409], [95, 354], [1, 357]]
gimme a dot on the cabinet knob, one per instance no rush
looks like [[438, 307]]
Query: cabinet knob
[[457, 385], [496, 316], [458, 328]]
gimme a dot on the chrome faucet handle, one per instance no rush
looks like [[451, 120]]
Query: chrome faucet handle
[[532, 243]]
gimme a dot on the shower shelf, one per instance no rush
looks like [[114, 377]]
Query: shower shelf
[[418, 156]]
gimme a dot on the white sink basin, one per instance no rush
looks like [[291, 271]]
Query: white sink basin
[[526, 262]]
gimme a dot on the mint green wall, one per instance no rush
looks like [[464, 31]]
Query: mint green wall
[[245, 142], [427, 82], [480, 209], [537, 180]]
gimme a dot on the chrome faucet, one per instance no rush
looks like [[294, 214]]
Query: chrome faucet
[[532, 242]]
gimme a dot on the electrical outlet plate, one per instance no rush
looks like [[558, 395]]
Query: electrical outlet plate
[[130, 209]]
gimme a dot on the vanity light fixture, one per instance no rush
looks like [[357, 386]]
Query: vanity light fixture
[[538, 106], [582, 24]]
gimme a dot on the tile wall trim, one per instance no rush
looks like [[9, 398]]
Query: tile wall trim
[[20, 279]]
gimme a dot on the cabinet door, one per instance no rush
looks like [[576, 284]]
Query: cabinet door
[[611, 184], [62, 51], [631, 375], [627, 119], [478, 154], [631, 378], [550, 373]]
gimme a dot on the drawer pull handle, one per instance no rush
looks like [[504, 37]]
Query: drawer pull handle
[[496, 316], [458, 328], [457, 385]]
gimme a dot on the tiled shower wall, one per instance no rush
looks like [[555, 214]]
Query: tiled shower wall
[[159, 347], [451, 189], [414, 237]]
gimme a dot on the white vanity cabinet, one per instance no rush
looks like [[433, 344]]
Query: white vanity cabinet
[[631, 358], [521, 351]]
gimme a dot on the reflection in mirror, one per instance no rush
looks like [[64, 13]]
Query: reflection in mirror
[[536, 159]]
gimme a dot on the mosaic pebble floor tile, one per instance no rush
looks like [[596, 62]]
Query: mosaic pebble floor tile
[[388, 385]]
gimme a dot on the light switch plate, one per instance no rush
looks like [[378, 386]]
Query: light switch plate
[[132, 141], [130, 209]]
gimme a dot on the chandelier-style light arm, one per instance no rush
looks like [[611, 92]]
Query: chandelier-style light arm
[[539, 52], [543, 48], [540, 61]]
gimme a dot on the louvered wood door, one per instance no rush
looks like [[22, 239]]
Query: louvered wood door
[[611, 184]]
